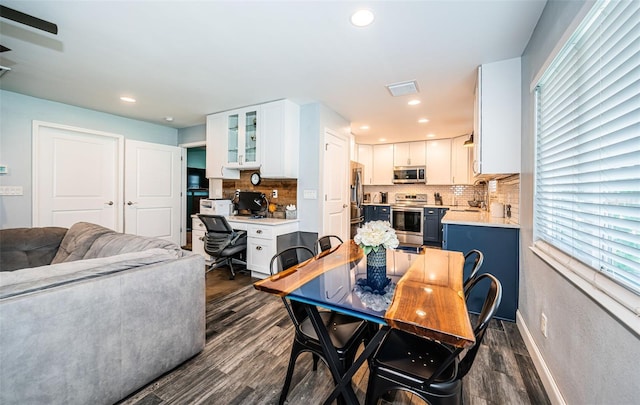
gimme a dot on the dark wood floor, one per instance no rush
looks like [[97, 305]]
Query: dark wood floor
[[247, 351]]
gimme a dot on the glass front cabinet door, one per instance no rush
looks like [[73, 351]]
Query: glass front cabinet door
[[242, 138]]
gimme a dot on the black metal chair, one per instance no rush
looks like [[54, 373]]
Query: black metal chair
[[472, 262], [346, 332], [430, 370], [223, 243], [327, 242]]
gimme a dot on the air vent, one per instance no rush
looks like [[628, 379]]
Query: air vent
[[402, 89]]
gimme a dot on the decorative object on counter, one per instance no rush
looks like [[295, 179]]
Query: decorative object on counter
[[291, 212], [497, 210], [375, 238]]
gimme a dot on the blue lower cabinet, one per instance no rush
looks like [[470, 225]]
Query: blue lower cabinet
[[500, 247], [377, 213]]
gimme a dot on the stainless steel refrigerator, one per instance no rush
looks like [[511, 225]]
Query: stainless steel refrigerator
[[357, 195]]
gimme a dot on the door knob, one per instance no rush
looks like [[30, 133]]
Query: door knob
[[109, 203], [344, 205], [131, 202]]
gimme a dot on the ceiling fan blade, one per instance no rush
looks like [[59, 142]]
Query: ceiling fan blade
[[4, 48], [26, 19]]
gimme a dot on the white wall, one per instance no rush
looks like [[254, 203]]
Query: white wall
[[314, 119], [592, 358], [17, 113]]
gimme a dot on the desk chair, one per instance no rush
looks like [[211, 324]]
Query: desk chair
[[223, 243], [430, 370], [327, 242], [346, 332]]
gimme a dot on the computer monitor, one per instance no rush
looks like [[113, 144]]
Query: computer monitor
[[250, 201]]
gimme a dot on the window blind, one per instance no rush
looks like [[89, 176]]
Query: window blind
[[587, 192]]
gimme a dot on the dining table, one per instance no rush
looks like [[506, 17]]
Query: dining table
[[425, 297]]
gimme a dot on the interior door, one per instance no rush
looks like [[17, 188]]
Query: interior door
[[335, 186], [152, 190], [77, 177]]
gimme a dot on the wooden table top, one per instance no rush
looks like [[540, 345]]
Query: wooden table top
[[428, 299]]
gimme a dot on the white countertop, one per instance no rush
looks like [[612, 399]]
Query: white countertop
[[259, 221], [479, 218]]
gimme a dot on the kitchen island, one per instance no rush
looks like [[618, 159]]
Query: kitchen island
[[498, 240]]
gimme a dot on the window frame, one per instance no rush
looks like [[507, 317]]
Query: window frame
[[615, 298]]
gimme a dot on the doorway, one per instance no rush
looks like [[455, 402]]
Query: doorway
[[196, 184]]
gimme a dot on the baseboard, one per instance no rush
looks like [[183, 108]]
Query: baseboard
[[550, 386]]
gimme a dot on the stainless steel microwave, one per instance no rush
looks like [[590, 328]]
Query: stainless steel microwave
[[409, 174]]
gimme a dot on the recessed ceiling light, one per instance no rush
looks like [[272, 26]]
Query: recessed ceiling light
[[362, 18], [431, 135], [414, 102], [168, 119], [423, 120], [364, 127], [128, 99]]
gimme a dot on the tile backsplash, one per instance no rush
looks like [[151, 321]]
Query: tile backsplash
[[507, 191]]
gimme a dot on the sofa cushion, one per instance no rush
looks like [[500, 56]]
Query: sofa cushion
[[110, 244], [41, 278], [78, 240], [29, 247]]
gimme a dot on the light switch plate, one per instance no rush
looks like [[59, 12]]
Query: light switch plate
[[310, 194]]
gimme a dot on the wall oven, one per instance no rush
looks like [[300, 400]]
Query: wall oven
[[407, 222]]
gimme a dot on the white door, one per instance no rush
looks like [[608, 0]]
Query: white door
[[152, 190], [76, 176], [335, 185]]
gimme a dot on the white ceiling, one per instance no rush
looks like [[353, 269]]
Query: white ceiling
[[187, 59]]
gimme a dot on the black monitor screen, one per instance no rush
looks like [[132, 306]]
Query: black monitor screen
[[250, 201]]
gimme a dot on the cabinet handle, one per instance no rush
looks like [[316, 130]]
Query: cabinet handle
[[200, 225], [201, 238], [109, 203], [259, 231], [258, 247], [131, 203]]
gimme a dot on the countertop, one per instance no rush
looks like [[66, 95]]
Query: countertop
[[479, 218], [432, 205], [258, 221]]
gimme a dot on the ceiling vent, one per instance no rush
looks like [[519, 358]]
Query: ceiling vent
[[403, 88]]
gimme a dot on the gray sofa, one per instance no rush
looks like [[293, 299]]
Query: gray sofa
[[89, 315]]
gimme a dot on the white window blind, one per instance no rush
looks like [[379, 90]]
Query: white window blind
[[587, 195]]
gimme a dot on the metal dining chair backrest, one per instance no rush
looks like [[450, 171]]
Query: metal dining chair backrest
[[283, 260], [325, 242], [473, 260]]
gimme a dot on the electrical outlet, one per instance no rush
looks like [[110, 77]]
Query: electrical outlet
[[274, 194], [543, 324]]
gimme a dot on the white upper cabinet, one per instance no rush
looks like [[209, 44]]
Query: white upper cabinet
[[497, 123], [409, 154], [243, 138], [383, 167], [264, 137], [439, 162], [280, 133], [365, 157], [217, 149], [460, 161]]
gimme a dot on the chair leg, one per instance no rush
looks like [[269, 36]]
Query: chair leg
[[315, 361], [233, 273], [295, 352]]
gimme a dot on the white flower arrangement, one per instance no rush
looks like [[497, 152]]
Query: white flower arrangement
[[376, 234]]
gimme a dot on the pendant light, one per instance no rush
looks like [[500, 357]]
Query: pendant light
[[469, 142]]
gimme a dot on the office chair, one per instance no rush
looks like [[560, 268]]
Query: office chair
[[346, 332], [431, 370], [223, 243]]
